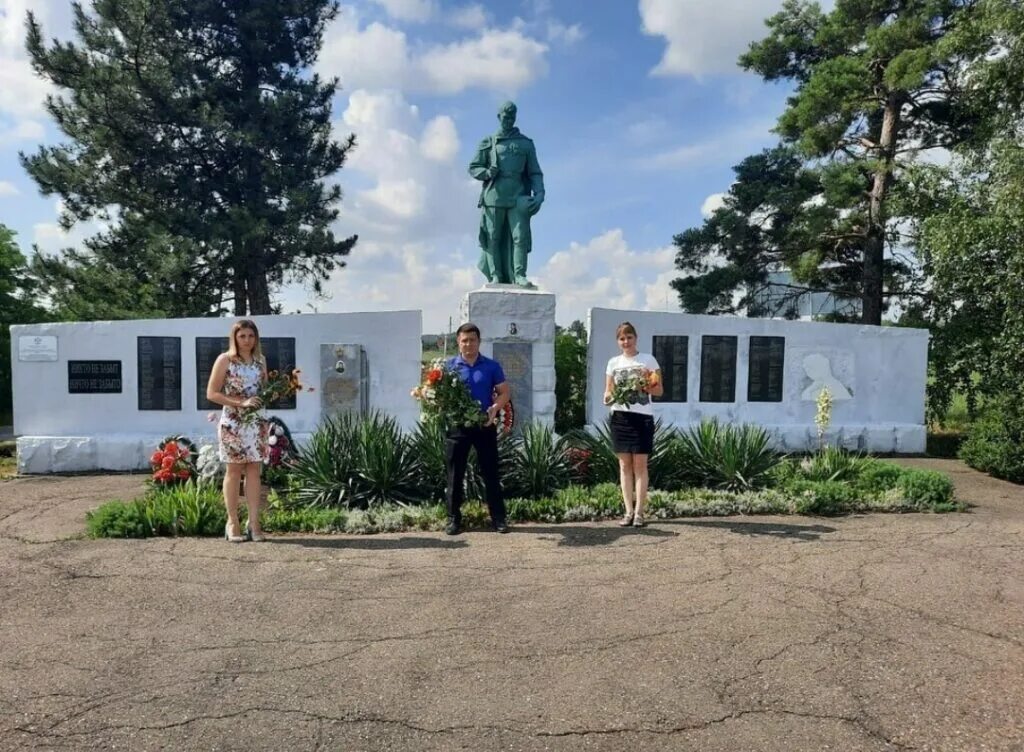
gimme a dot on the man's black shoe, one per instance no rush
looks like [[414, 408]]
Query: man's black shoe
[[454, 528], [501, 527]]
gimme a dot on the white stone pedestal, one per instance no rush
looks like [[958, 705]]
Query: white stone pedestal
[[517, 328]]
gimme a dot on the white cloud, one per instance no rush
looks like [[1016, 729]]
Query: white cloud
[[8, 189], [416, 219], [704, 37], [21, 130], [371, 57], [377, 56], [440, 141], [409, 10], [417, 192], [711, 203], [51, 238], [606, 272], [468, 17], [22, 92], [504, 61]]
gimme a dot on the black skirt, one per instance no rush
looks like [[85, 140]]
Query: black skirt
[[632, 433]]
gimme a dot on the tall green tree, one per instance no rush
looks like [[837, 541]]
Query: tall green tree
[[778, 214], [201, 128], [876, 83], [17, 306], [570, 377]]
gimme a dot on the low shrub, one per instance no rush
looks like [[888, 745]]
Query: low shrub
[[926, 489], [876, 476], [167, 512], [118, 519], [185, 509], [823, 497], [995, 443]]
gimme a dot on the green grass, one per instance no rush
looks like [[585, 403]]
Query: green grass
[[880, 487], [8, 467]]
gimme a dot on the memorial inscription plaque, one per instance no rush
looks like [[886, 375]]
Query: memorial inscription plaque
[[766, 363], [279, 352], [516, 360], [718, 368], [94, 377], [207, 350], [159, 369], [671, 352]]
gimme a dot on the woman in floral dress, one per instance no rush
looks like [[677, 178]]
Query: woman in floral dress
[[234, 383]]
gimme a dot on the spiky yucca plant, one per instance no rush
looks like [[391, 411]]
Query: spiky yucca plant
[[729, 457]]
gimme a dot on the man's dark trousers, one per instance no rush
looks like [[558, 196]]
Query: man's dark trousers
[[456, 453]]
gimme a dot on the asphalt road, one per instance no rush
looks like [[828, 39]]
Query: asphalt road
[[876, 632]]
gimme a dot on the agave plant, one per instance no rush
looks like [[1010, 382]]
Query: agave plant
[[428, 449], [357, 463], [386, 463], [325, 465], [540, 463], [734, 458]]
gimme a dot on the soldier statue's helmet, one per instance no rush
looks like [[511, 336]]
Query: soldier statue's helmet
[[509, 107]]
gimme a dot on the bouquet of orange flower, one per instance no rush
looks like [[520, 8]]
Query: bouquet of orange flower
[[280, 385], [173, 461], [631, 389], [445, 398]]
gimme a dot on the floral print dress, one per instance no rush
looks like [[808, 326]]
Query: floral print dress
[[239, 441]]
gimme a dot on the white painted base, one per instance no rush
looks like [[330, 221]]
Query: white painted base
[[506, 313], [40, 455]]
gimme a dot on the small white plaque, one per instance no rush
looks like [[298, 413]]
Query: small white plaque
[[37, 347]]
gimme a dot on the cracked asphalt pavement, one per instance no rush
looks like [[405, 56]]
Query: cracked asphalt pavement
[[874, 632]]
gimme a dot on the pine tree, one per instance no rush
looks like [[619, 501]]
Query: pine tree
[[198, 125], [877, 82]]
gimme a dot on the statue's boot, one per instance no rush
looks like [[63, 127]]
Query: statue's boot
[[519, 252]]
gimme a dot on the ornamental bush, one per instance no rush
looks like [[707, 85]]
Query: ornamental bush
[[995, 443]]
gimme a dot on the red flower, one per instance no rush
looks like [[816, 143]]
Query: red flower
[[434, 375], [156, 458], [171, 447], [168, 462]]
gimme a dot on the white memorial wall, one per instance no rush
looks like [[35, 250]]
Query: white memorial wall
[[101, 395], [770, 372]]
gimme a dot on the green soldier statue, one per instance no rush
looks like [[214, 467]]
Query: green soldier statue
[[513, 191]]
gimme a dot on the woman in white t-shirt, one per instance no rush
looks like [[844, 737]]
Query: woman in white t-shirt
[[631, 379]]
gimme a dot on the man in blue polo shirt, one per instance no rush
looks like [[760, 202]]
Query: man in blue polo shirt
[[486, 382]]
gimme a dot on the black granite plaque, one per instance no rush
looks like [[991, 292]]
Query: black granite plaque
[[672, 354], [207, 350], [279, 352], [516, 359], [718, 368], [94, 377], [764, 380], [159, 369], [280, 355]]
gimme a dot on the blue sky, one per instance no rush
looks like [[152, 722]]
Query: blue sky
[[637, 109]]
